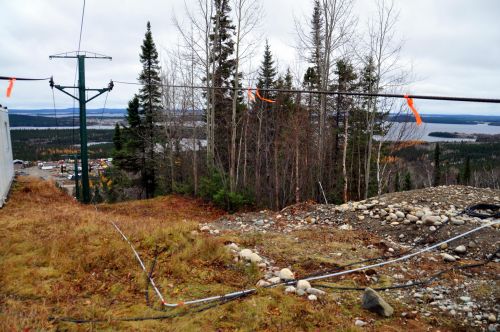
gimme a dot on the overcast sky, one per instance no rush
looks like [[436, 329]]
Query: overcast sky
[[453, 46]]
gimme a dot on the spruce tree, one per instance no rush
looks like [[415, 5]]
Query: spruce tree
[[467, 172], [150, 107], [267, 73], [117, 138], [129, 157], [223, 64], [437, 166], [397, 187], [408, 182]]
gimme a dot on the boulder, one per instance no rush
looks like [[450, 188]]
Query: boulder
[[411, 217], [400, 214], [263, 283], [303, 284], [448, 258], [374, 302], [286, 274], [245, 254], [430, 220], [254, 258], [274, 280], [460, 249], [315, 291]]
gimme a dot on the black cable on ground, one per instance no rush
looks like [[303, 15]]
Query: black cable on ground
[[416, 283], [471, 210]]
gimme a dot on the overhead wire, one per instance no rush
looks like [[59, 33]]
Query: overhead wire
[[332, 92]]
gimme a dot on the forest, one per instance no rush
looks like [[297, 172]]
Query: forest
[[52, 144]]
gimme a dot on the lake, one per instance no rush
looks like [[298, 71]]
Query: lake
[[422, 132]]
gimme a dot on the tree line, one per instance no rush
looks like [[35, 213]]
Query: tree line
[[285, 142]]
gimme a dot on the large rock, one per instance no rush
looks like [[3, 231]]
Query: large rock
[[430, 220], [303, 284], [448, 258], [375, 303], [245, 254], [254, 258], [286, 274]]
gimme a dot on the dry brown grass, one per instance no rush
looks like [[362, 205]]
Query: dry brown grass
[[59, 258]]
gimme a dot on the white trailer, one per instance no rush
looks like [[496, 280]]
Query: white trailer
[[6, 159]]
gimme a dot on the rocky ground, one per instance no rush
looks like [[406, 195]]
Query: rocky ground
[[392, 224]]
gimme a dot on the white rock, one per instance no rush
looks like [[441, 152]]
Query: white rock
[[315, 291], [383, 213], [254, 258], [300, 292], [204, 228], [290, 289], [233, 246], [465, 298], [263, 283], [361, 207], [345, 227], [312, 297], [448, 258], [286, 274], [400, 214], [411, 217], [245, 253], [492, 318], [303, 284], [361, 218], [460, 249], [274, 280], [360, 323]]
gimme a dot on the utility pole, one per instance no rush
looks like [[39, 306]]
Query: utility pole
[[80, 56]]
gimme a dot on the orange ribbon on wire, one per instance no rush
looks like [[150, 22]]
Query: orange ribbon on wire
[[10, 87], [262, 98], [418, 119], [251, 96]]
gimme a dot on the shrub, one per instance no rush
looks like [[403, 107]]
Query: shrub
[[213, 188]]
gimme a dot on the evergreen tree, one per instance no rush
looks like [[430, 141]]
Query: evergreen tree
[[117, 138], [408, 182], [397, 187], [150, 107], [267, 73], [317, 37], [129, 156], [223, 64], [467, 172], [437, 166]]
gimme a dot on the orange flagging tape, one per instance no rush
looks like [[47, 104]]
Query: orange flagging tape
[[9, 88], [418, 119], [262, 98], [251, 97]]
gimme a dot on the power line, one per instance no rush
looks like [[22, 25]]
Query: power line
[[331, 92]]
